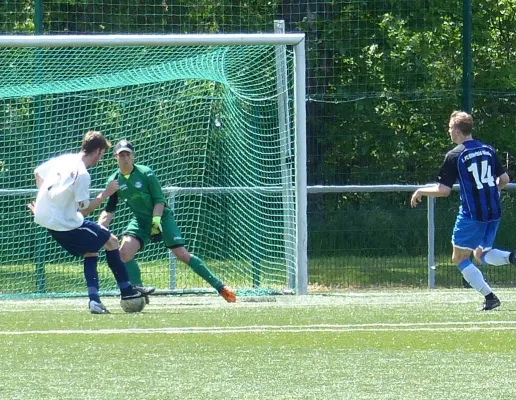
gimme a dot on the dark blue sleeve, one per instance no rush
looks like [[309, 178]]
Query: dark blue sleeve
[[111, 204], [448, 173], [499, 169]]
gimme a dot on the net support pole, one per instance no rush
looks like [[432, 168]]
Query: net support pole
[[300, 174], [286, 156], [172, 260], [431, 242], [39, 109], [40, 247], [467, 73]]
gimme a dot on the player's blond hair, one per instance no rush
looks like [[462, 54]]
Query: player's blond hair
[[94, 140], [462, 121]]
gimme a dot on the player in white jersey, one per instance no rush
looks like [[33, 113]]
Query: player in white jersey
[[62, 202], [64, 183]]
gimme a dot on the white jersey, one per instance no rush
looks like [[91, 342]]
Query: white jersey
[[66, 182]]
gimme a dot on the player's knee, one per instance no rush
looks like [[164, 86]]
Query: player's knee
[[112, 243], [182, 254], [125, 255], [479, 252], [457, 259]]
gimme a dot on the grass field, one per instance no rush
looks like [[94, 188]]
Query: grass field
[[401, 344]]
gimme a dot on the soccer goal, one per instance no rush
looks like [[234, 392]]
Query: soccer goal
[[219, 118]]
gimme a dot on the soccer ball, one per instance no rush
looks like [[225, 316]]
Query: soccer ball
[[133, 305]]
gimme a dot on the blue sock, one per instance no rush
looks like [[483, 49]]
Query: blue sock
[[117, 266], [92, 278]]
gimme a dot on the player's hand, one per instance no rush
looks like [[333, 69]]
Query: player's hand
[[112, 188], [156, 225], [416, 198], [157, 238], [32, 207]]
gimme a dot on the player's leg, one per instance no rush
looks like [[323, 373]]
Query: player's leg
[[85, 241], [92, 283], [134, 238], [128, 248], [197, 265], [472, 275], [175, 242], [115, 263], [92, 276], [117, 266], [467, 237], [486, 254]]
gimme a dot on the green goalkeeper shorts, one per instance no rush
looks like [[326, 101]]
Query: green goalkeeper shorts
[[142, 231]]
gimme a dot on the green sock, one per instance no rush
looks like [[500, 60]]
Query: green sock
[[135, 275], [203, 271]]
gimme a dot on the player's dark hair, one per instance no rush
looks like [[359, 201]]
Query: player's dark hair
[[94, 140], [462, 121]]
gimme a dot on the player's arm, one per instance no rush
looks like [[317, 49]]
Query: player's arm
[[158, 200], [105, 218], [155, 190], [39, 179], [39, 182], [445, 180], [502, 177], [107, 215], [86, 206], [157, 211], [41, 172], [435, 190], [502, 181]]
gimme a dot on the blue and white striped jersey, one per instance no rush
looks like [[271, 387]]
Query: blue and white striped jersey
[[476, 167]]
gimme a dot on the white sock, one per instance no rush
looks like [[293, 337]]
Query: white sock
[[474, 277], [496, 257]]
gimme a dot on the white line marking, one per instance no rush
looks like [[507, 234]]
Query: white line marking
[[409, 327]]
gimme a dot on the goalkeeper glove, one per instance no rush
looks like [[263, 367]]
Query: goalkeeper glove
[[156, 225]]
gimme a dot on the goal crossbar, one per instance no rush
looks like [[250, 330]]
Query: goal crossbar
[[152, 40]]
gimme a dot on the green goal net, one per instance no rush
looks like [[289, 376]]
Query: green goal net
[[215, 122]]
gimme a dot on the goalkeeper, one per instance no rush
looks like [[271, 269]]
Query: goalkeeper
[[152, 218]]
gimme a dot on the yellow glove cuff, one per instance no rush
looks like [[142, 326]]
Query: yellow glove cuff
[[156, 220]]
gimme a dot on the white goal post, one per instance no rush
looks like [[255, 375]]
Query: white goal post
[[299, 282]]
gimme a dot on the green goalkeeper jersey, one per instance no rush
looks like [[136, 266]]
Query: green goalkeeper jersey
[[141, 191]]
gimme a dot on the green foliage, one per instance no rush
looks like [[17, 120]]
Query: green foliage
[[395, 68], [17, 17]]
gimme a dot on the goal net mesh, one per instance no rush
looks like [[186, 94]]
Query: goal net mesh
[[215, 123]]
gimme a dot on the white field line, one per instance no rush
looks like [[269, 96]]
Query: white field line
[[412, 327]]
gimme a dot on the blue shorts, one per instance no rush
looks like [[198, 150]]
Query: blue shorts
[[88, 238], [470, 234]]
